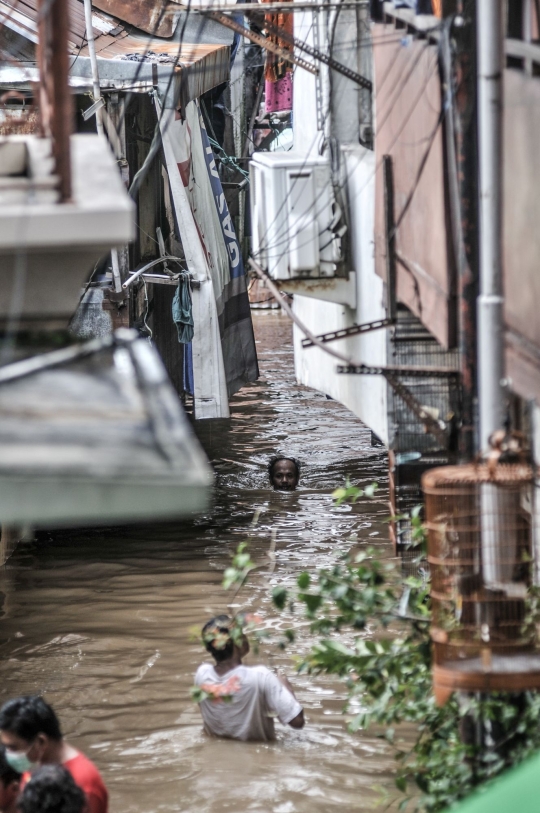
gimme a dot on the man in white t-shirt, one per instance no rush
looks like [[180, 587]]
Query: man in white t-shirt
[[242, 700]]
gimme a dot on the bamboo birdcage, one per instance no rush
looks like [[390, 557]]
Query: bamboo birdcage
[[481, 552]]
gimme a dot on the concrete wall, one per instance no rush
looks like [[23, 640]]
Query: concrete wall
[[366, 396]]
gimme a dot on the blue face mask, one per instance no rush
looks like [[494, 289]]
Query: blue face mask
[[19, 761]]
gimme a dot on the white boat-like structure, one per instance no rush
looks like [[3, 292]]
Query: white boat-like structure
[[95, 433]]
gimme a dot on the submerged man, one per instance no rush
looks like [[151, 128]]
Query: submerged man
[[31, 735], [253, 693], [10, 785], [284, 473]]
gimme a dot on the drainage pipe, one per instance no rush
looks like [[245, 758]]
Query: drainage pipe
[[96, 92], [490, 300], [498, 507]]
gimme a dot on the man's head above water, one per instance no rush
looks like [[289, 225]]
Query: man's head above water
[[218, 640], [284, 473]]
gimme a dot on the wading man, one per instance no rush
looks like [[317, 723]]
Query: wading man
[[31, 735], [241, 700], [284, 473]]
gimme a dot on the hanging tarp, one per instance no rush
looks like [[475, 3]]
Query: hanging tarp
[[215, 229]]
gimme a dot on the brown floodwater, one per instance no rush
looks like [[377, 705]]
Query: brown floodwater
[[101, 621]]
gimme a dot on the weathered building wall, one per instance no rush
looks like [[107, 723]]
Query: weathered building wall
[[366, 396], [408, 128], [521, 231]]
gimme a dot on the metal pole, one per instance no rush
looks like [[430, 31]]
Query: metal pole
[[55, 97], [499, 546], [365, 68], [490, 300], [93, 62]]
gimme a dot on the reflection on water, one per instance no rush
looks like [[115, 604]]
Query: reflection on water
[[101, 621]]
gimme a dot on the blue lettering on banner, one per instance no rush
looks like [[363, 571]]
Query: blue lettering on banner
[[236, 265]]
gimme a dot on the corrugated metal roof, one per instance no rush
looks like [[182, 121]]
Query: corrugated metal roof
[[203, 65], [148, 15], [16, 14]]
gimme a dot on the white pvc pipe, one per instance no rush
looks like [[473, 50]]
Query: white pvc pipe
[[498, 542], [490, 300], [93, 61]]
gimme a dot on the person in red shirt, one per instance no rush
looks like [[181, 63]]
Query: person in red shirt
[[52, 789], [30, 732], [10, 785]]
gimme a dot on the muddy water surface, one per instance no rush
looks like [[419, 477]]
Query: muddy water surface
[[101, 621]]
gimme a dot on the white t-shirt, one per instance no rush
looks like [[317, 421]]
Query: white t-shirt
[[256, 694]]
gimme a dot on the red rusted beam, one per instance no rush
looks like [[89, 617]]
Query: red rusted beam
[[56, 108]]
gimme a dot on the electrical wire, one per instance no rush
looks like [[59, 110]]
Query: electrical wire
[[285, 240]]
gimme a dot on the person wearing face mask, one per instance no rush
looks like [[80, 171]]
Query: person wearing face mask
[[31, 735], [284, 473], [10, 785]]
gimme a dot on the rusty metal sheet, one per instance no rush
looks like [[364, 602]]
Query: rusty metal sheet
[[408, 91], [148, 15], [76, 26], [199, 66], [521, 236]]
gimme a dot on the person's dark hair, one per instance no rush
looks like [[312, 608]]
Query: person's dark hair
[[7, 773], [29, 716], [52, 789], [276, 459], [216, 630]]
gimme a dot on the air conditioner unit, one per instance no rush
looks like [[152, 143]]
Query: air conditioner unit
[[296, 222]]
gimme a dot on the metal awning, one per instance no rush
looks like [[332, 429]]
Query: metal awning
[[127, 60], [95, 433]]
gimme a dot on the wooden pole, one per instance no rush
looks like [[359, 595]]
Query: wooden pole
[[55, 98]]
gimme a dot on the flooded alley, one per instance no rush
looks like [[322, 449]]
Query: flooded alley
[[103, 621]]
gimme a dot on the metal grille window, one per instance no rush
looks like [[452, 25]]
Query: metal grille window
[[411, 344]]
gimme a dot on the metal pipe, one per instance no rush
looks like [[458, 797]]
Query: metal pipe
[[498, 545], [286, 6], [457, 49], [93, 62], [490, 300], [137, 274], [117, 279]]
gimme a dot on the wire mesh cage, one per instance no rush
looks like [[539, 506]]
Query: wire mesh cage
[[411, 343], [484, 574], [405, 473]]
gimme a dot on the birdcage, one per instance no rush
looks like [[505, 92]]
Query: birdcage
[[484, 571]]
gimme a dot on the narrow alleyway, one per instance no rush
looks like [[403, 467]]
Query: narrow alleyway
[[102, 621]]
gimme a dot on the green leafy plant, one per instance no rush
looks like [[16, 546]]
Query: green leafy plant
[[352, 494], [388, 675], [372, 631]]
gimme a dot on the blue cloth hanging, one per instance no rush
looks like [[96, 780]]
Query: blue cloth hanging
[[182, 311], [187, 369]]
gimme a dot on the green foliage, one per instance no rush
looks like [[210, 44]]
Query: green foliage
[[351, 493], [372, 631], [388, 675], [241, 565], [279, 597]]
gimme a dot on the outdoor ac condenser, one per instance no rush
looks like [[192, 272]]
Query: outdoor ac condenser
[[295, 220]]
